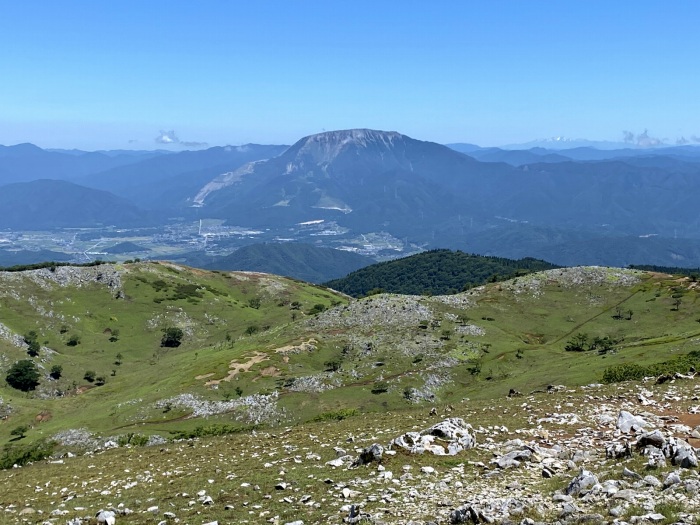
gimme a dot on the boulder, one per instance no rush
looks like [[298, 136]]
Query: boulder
[[627, 422], [584, 481], [654, 439], [682, 454], [372, 453], [446, 438], [513, 458], [469, 514], [106, 517]]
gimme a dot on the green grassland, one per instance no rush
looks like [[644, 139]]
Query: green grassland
[[213, 310], [383, 353]]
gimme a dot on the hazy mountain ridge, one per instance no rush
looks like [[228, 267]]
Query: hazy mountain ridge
[[167, 181], [27, 162], [301, 261], [50, 204], [420, 194]]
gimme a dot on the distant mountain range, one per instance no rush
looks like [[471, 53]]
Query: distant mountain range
[[625, 205]]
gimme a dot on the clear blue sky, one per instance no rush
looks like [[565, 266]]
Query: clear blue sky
[[93, 74]]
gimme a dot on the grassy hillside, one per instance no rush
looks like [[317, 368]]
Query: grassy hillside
[[110, 320], [434, 272], [263, 350], [275, 378]]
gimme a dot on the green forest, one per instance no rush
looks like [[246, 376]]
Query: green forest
[[435, 272]]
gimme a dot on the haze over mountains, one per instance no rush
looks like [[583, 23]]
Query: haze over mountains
[[346, 189]]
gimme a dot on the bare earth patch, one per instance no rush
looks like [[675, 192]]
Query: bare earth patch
[[235, 368], [270, 371]]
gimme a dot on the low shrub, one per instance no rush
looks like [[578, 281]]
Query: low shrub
[[337, 415], [23, 454]]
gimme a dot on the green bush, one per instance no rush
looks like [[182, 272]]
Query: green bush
[[56, 371], [211, 430], [135, 440], [337, 415], [317, 309], [23, 375], [20, 431], [380, 388], [23, 454], [254, 302], [633, 371], [31, 338], [172, 337]]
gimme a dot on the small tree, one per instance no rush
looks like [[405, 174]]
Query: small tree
[[20, 431], [172, 337], [254, 302], [31, 338], [119, 360], [317, 309], [56, 371], [577, 343], [73, 340], [89, 376], [332, 365], [23, 375]]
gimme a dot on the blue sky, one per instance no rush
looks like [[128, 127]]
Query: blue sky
[[96, 75]]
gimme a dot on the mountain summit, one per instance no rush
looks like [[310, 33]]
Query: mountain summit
[[359, 178]]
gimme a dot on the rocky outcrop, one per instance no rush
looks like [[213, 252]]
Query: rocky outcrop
[[448, 437]]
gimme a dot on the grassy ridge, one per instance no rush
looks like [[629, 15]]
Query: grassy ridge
[[298, 358], [223, 317]]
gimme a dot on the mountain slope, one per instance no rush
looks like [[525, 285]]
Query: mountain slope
[[300, 261], [431, 196], [435, 272], [49, 204], [111, 320], [363, 179], [166, 181], [27, 162]]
